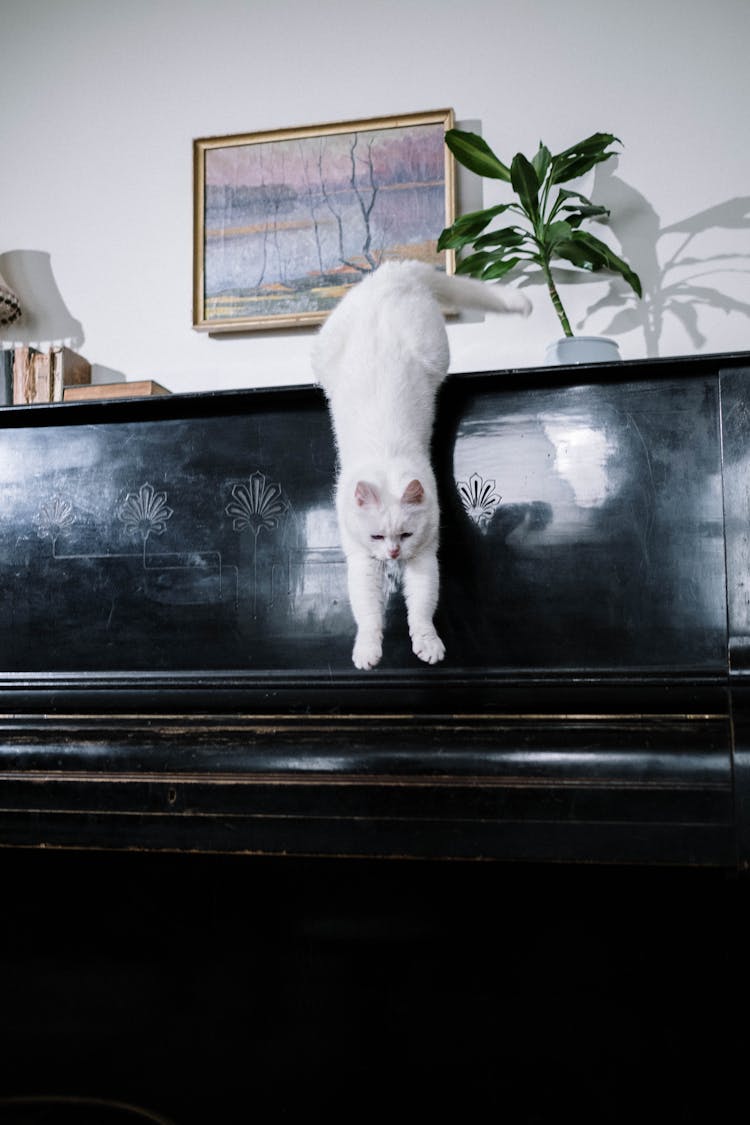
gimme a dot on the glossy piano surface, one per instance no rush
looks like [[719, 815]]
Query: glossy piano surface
[[582, 529], [594, 536]]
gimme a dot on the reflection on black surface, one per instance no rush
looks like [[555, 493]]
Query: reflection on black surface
[[606, 549], [582, 526]]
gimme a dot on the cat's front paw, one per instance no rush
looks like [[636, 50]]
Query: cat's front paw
[[428, 647], [368, 649]]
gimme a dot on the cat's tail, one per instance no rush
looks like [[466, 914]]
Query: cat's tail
[[467, 293]]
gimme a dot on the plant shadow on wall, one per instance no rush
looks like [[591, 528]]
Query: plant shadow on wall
[[678, 279]]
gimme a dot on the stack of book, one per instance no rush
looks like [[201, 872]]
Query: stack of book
[[32, 376], [29, 376]]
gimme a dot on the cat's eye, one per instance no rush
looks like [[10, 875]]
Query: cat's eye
[[407, 535], [377, 537]]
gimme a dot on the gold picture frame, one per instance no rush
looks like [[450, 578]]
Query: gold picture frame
[[285, 221]]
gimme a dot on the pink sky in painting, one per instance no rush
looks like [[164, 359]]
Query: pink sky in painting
[[410, 154]]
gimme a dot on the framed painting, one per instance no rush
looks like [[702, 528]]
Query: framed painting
[[286, 221]]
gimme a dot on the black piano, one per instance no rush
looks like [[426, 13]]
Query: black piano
[[180, 711]]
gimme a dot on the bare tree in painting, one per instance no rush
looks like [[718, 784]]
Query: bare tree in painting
[[328, 200], [264, 252], [365, 206], [279, 197], [312, 206], [365, 193]]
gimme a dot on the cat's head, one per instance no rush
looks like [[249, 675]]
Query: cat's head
[[391, 526]]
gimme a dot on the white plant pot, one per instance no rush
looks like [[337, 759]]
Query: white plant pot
[[582, 349]]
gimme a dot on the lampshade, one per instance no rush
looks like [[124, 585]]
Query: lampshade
[[10, 306], [42, 319]]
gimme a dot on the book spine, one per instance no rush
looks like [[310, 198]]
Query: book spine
[[6, 378], [56, 370], [43, 385], [72, 370], [43, 376], [32, 377], [22, 376]]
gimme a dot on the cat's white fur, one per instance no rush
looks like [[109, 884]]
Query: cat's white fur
[[380, 358]]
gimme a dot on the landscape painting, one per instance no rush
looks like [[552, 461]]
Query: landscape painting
[[286, 222]]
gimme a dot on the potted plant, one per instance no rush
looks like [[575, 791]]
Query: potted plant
[[550, 227]]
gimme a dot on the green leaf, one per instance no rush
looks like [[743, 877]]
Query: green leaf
[[499, 269], [597, 142], [590, 253], [525, 184], [581, 157], [467, 227], [579, 255], [591, 212], [557, 232], [575, 213], [475, 263], [613, 262], [449, 240], [565, 193], [541, 162], [508, 236], [475, 154], [577, 166]]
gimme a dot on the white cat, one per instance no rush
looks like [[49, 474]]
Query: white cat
[[380, 358]]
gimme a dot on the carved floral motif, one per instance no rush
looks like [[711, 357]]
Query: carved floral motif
[[54, 517], [145, 513], [479, 498], [257, 504]]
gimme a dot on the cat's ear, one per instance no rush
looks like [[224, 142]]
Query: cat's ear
[[413, 493], [366, 496]]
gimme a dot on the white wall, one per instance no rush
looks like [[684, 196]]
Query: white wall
[[102, 99]]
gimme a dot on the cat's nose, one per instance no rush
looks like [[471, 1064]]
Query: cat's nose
[[394, 552]]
